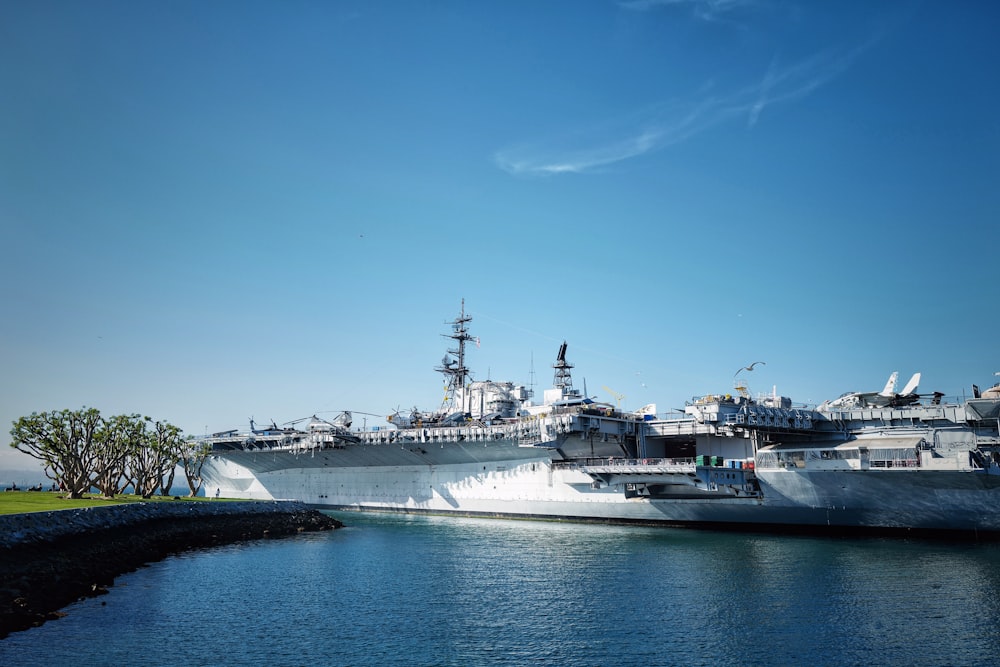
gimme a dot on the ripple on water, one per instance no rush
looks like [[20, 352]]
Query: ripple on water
[[430, 591]]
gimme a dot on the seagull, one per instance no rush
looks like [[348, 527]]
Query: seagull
[[749, 368]]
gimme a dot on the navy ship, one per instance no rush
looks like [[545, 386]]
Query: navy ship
[[883, 461]]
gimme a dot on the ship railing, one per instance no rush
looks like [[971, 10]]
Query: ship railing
[[894, 463], [536, 430], [629, 466]]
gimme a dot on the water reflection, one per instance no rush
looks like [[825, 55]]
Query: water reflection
[[425, 590]]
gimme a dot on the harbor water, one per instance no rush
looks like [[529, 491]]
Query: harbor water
[[403, 590]]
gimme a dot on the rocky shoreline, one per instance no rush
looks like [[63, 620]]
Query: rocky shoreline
[[51, 559]]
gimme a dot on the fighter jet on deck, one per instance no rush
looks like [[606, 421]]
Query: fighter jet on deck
[[872, 399]]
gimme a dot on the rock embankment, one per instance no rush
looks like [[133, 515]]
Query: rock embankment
[[50, 559]]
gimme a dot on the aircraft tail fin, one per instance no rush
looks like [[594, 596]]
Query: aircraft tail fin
[[890, 385], [912, 385]]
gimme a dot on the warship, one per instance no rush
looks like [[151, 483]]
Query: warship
[[883, 461]]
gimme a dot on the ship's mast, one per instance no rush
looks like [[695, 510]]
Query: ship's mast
[[454, 369]]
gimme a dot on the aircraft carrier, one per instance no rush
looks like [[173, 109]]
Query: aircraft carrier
[[876, 461]]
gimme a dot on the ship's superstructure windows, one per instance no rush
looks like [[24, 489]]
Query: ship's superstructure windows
[[839, 454], [796, 459], [893, 458], [855, 458]]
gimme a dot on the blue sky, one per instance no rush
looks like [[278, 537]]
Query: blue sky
[[211, 211]]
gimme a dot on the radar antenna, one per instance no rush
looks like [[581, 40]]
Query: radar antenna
[[562, 378]]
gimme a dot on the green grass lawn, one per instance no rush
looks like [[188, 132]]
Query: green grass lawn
[[14, 502]]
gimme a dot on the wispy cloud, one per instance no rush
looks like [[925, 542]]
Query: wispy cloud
[[708, 10], [762, 94], [669, 123], [530, 159]]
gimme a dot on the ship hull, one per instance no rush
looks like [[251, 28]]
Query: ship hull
[[503, 480], [866, 461]]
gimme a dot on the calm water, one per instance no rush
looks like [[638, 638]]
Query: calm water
[[393, 590]]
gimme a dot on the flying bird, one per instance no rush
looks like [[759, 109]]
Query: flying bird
[[749, 368]]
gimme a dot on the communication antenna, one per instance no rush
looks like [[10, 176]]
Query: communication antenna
[[455, 371], [531, 376]]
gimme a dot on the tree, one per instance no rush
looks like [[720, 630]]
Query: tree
[[193, 455], [120, 437], [65, 441], [170, 444], [144, 463], [80, 450]]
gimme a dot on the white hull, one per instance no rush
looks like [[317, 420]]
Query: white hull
[[535, 488]]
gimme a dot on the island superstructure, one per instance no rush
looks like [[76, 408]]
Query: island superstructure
[[866, 461]]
